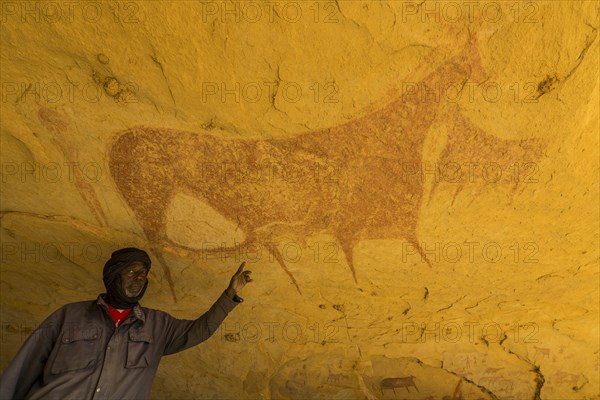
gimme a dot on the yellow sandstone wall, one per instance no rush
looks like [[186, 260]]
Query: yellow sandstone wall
[[413, 184]]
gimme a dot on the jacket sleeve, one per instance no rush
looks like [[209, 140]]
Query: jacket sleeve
[[183, 334], [27, 367]]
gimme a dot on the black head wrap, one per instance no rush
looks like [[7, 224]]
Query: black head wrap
[[111, 275]]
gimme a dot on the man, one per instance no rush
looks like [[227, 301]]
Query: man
[[109, 348]]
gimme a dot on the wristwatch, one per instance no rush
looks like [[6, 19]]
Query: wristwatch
[[237, 298]]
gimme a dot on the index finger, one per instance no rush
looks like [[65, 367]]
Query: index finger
[[241, 268]]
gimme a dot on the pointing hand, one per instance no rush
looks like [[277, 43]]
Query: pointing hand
[[239, 279]]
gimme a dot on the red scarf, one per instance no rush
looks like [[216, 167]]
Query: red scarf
[[118, 316]]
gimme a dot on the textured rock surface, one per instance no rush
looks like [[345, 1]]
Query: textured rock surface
[[414, 186]]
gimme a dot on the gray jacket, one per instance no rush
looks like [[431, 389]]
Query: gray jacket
[[78, 353]]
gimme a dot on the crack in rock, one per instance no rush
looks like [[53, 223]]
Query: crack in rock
[[539, 377]]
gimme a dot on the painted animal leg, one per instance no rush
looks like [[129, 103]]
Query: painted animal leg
[[273, 250], [413, 240], [166, 271], [347, 247]]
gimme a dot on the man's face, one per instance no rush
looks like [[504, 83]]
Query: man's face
[[133, 279]]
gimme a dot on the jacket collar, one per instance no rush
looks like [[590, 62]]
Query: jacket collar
[[137, 310]]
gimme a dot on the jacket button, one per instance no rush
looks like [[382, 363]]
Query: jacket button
[[98, 390]]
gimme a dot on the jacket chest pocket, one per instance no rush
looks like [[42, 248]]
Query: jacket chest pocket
[[139, 350], [77, 349]]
